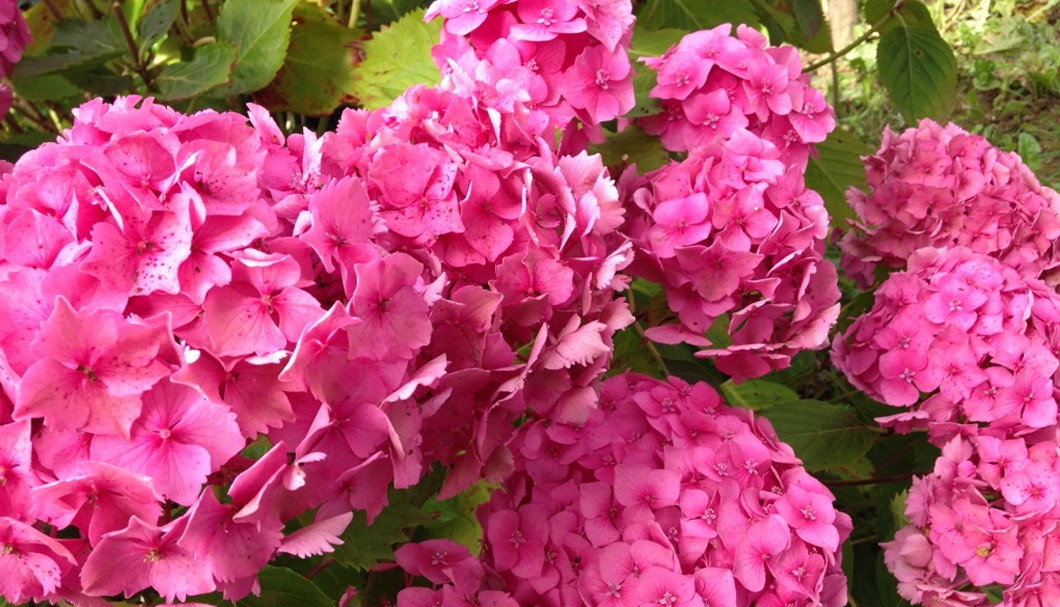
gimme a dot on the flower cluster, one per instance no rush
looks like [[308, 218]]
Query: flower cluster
[[563, 59], [664, 496], [14, 37], [712, 84], [986, 515], [967, 331], [517, 245], [178, 287], [942, 187], [981, 342], [732, 234]]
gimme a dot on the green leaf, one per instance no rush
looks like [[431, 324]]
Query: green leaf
[[694, 14], [80, 45], [631, 146], [919, 71], [210, 68], [758, 394], [822, 434], [260, 31], [282, 587], [808, 16], [653, 43], [397, 57], [836, 168], [456, 517], [48, 87], [631, 355], [898, 518], [317, 74], [782, 23], [648, 43], [366, 545], [156, 21]]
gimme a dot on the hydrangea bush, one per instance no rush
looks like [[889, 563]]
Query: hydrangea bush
[[444, 354]]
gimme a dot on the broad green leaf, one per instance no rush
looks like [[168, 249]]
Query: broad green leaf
[[631, 146], [823, 435], [919, 70], [397, 57], [758, 394], [456, 517], [653, 43], [211, 67], [630, 354], [282, 587], [366, 545], [102, 84], [690, 15], [317, 74], [260, 31], [79, 45], [898, 517], [808, 16], [156, 21], [648, 43], [780, 20], [836, 168], [912, 13], [644, 104], [49, 87]]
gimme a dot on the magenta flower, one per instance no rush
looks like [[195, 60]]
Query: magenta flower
[[179, 439], [32, 564], [764, 540], [598, 83], [92, 369], [144, 556]]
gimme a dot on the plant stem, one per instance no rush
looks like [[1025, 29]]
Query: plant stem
[[875, 27], [138, 60], [355, 13], [640, 331], [209, 11], [846, 49], [54, 10]]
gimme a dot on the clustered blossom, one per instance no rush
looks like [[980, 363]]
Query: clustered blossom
[[712, 84], [987, 515], [563, 59], [731, 232], [516, 245], [14, 37], [935, 186], [663, 496], [734, 236], [967, 338], [971, 347], [966, 331], [364, 304]]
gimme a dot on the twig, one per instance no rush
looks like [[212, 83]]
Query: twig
[[54, 10], [640, 331], [209, 11], [875, 27], [322, 565], [846, 49], [355, 13], [138, 60]]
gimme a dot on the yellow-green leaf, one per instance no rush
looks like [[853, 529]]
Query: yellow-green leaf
[[397, 56]]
